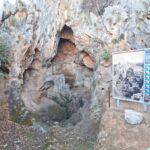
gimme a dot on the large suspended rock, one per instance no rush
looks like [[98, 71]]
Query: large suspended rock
[[133, 117]]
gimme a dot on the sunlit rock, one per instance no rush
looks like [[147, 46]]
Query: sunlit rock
[[133, 117]]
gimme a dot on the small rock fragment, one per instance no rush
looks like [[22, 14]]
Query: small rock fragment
[[133, 117], [102, 136]]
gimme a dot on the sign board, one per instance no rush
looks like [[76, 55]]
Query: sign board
[[147, 75], [128, 76]]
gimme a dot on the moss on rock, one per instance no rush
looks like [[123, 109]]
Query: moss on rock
[[20, 116]]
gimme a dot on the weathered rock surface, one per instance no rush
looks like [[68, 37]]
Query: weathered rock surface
[[18, 111], [133, 117], [57, 47], [48, 36]]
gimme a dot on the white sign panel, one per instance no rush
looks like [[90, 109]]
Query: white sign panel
[[128, 72]]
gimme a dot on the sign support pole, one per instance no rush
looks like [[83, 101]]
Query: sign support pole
[[117, 103], [145, 107]]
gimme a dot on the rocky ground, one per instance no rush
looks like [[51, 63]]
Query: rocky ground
[[68, 135], [54, 46], [116, 134], [14, 136]]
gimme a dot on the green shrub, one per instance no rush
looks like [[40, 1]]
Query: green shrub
[[13, 21], [2, 74], [105, 55], [63, 100], [3, 47], [3, 57]]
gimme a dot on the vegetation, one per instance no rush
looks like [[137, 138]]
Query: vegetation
[[15, 117], [2, 75], [117, 40], [3, 57], [105, 55], [13, 21], [3, 47], [63, 100]]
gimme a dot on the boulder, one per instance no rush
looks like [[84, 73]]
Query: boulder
[[41, 127], [102, 136], [133, 117]]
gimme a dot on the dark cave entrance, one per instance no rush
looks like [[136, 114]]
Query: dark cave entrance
[[66, 46], [66, 51], [67, 33]]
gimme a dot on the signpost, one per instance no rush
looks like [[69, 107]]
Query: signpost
[[128, 72], [131, 77]]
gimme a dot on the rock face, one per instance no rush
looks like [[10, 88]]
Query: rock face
[[133, 117], [1, 10], [18, 111], [51, 38]]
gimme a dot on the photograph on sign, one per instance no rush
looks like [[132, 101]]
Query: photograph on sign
[[128, 75]]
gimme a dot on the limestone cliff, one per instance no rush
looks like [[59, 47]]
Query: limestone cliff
[[63, 40]]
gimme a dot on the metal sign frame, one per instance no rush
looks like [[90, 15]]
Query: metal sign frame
[[145, 104]]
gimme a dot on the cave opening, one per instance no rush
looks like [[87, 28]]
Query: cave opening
[[67, 33], [66, 51], [66, 45]]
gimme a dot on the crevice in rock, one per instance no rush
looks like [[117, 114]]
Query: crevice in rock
[[85, 59], [66, 46], [67, 33], [31, 79], [6, 16], [4, 69]]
